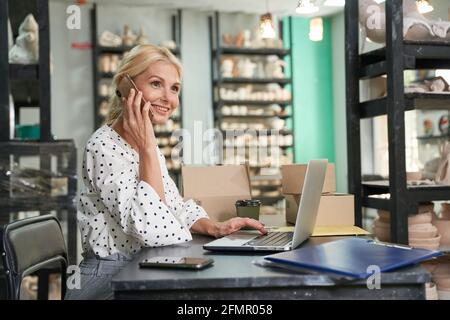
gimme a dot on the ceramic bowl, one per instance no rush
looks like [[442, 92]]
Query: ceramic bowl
[[443, 227], [384, 216], [420, 218], [425, 243], [422, 231], [413, 176], [426, 207], [445, 211], [424, 217]]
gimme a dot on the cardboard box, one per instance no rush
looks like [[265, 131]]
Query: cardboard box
[[216, 188], [335, 209], [293, 178]]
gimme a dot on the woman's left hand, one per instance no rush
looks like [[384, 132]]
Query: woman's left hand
[[235, 224]]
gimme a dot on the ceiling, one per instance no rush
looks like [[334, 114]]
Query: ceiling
[[280, 7]]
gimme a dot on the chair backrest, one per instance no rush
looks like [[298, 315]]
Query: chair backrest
[[30, 245]]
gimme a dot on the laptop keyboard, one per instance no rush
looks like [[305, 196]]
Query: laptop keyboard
[[272, 239]]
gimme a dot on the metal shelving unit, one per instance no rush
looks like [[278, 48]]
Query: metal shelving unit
[[13, 150], [217, 52], [98, 51], [398, 55]]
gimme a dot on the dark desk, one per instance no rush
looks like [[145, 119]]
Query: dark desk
[[234, 276]]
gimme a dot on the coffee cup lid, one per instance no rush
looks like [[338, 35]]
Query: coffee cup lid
[[248, 203]]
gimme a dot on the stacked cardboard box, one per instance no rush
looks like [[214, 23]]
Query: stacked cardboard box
[[335, 209], [216, 188]]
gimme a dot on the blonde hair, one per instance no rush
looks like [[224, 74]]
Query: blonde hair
[[134, 63]]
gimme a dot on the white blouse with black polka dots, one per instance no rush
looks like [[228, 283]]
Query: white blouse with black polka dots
[[119, 213]]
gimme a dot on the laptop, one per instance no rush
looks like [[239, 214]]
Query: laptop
[[282, 241]]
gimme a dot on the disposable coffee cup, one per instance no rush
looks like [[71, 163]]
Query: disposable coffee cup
[[248, 208]]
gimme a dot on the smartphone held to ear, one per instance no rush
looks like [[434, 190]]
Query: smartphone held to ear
[[176, 262], [124, 87]]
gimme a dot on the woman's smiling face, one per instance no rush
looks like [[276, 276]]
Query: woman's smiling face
[[160, 84]]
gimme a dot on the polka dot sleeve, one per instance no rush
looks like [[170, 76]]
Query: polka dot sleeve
[[187, 212], [133, 204]]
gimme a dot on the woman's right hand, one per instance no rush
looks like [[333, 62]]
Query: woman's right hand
[[137, 122]]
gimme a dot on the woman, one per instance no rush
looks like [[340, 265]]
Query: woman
[[129, 200]]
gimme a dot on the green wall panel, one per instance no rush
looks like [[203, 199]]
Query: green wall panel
[[313, 91]]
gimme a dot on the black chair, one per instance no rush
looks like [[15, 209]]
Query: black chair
[[32, 246]]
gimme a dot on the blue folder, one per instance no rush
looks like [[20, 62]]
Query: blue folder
[[352, 257]]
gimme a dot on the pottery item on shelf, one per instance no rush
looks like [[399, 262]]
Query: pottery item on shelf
[[227, 68], [430, 168], [420, 218], [104, 63], [242, 93], [443, 228], [443, 172], [427, 207], [425, 243], [103, 89], [431, 291], [427, 127], [169, 44], [247, 38], [422, 231], [277, 124], [243, 110], [26, 49], [239, 40], [445, 211], [260, 72], [274, 67], [227, 40], [142, 37], [257, 41], [109, 39], [442, 29], [114, 63], [226, 110], [433, 85], [443, 124], [415, 25], [437, 84], [246, 68], [103, 109], [128, 37], [413, 176]]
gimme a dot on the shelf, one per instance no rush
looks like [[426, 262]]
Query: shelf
[[163, 133], [244, 131], [122, 49], [418, 54], [251, 81], [254, 116], [253, 102], [26, 104], [23, 71], [8, 205], [253, 51], [30, 148], [106, 74], [421, 193], [430, 138], [422, 101]]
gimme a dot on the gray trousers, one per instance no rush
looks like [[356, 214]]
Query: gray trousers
[[96, 275]]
